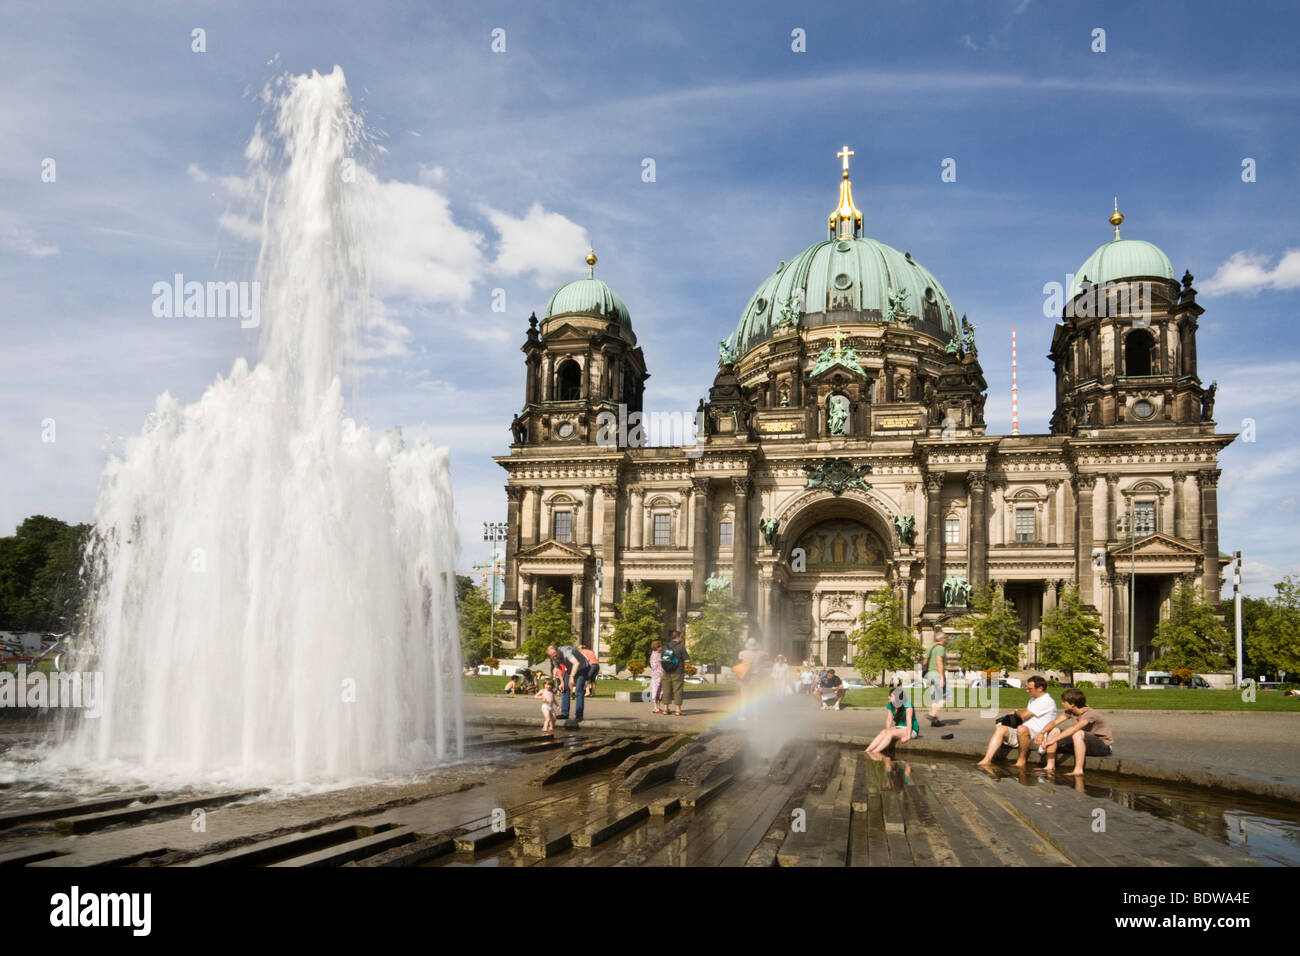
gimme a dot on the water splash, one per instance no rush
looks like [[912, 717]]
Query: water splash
[[273, 586]]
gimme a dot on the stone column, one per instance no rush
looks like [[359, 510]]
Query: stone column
[[1083, 485], [588, 515], [578, 617], [1180, 506], [608, 545], [1067, 514], [530, 591], [997, 533], [700, 548], [978, 563], [905, 592], [1106, 605], [514, 495], [1119, 646], [740, 545], [681, 607], [1053, 492], [1209, 482], [1192, 520], [765, 611], [534, 503], [1049, 596], [933, 540], [1112, 505], [636, 523]]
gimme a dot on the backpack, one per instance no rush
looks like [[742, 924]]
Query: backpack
[[669, 659]]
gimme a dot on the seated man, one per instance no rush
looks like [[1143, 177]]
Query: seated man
[[1089, 734], [831, 690], [1039, 713]]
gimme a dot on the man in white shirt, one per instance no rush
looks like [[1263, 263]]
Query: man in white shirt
[[1040, 712]]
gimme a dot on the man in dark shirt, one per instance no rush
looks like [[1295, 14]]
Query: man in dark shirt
[[674, 657], [831, 690]]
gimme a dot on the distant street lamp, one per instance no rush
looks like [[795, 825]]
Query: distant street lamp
[[493, 532]]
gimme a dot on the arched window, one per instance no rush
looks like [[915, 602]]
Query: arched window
[[1139, 352], [569, 381]]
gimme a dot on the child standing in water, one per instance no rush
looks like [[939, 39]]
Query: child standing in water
[[547, 696]]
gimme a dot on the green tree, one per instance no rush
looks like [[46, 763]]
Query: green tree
[[41, 586], [1270, 631], [715, 634], [1072, 637], [637, 622], [1192, 636], [993, 641], [474, 614], [882, 642], [548, 624]]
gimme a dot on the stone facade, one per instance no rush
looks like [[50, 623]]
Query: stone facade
[[1124, 483]]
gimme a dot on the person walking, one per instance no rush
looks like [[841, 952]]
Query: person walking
[[936, 677], [673, 659], [656, 676], [781, 676]]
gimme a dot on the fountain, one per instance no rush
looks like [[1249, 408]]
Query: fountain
[[272, 585]]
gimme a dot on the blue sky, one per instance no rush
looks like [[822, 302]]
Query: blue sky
[[501, 167]]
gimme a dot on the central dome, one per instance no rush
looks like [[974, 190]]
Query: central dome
[[845, 281]]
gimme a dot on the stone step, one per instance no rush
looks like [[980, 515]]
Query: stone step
[[264, 852], [385, 837], [609, 824], [89, 822], [702, 795], [480, 839]]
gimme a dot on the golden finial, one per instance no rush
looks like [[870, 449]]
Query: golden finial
[[591, 263], [846, 220], [1116, 217]]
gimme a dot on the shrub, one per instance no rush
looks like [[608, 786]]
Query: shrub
[[492, 662], [690, 670], [1288, 685], [636, 667], [1182, 676], [1119, 684], [1085, 685]]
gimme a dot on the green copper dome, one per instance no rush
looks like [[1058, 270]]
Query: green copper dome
[[1123, 259], [588, 297], [846, 281]]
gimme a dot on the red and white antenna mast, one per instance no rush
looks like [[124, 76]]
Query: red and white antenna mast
[[1015, 392]]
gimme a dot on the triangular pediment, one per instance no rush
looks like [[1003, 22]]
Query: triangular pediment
[[1157, 545], [552, 549], [836, 365], [567, 333]]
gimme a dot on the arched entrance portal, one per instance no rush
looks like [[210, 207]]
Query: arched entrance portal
[[835, 552]]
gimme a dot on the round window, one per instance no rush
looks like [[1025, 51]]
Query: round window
[[842, 281], [565, 429], [761, 305], [844, 246], [1143, 408]]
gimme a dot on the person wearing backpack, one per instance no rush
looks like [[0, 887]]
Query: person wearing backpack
[[673, 659]]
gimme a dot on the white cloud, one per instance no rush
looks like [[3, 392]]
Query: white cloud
[[17, 236], [1248, 272], [196, 174], [546, 244], [418, 250], [968, 43], [241, 226]]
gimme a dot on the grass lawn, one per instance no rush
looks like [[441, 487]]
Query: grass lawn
[[1011, 699], [604, 688]]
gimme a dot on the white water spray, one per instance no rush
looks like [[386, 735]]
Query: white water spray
[[273, 593]]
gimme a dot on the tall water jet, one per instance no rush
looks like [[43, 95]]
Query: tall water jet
[[273, 586]]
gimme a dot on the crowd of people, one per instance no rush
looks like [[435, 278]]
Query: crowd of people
[[1075, 730]]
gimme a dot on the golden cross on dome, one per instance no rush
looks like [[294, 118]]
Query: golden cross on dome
[[844, 154], [838, 338]]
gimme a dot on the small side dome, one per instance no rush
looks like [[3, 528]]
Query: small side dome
[[1122, 259], [589, 296]]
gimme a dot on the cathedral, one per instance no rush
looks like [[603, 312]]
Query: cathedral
[[842, 449]]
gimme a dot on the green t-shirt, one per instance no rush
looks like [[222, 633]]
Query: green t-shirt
[[932, 657], [900, 715]]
